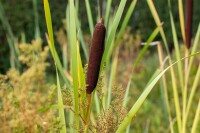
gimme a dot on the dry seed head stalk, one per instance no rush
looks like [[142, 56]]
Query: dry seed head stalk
[[67, 97], [24, 96], [96, 53], [108, 121]]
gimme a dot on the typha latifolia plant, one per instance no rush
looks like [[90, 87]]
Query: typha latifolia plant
[[96, 53], [90, 101], [83, 84], [182, 108]]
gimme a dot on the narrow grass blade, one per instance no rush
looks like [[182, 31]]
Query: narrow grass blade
[[176, 98], [194, 48], [67, 22], [174, 83], [89, 14], [12, 58], [60, 68], [5, 22], [10, 36], [128, 128], [193, 90], [60, 104], [125, 102], [163, 85], [81, 78], [49, 26], [78, 26], [64, 56], [146, 130], [37, 28], [71, 121], [125, 23], [109, 55], [81, 75], [181, 17], [196, 119], [77, 5], [196, 42], [158, 22], [177, 51], [144, 49], [99, 16], [50, 41], [113, 31], [74, 59], [97, 102], [112, 78], [71, 114], [108, 5], [164, 103], [144, 95], [23, 37], [80, 37], [104, 88]]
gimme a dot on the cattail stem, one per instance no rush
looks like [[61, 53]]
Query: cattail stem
[[185, 91], [88, 109]]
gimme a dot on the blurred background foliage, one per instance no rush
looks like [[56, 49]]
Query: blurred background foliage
[[20, 15]]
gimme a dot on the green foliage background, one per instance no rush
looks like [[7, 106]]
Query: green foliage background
[[20, 15]]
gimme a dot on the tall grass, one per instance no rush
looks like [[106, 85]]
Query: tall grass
[[180, 114], [90, 111], [14, 53], [111, 52]]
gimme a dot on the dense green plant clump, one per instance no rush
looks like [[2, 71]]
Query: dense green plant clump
[[26, 97]]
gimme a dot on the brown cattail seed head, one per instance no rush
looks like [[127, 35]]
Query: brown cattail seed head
[[188, 27], [95, 57]]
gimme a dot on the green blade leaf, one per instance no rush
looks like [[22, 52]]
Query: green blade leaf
[[74, 58], [144, 49], [108, 5], [50, 41], [89, 14], [193, 90], [125, 22], [60, 104], [181, 17], [177, 51], [144, 95], [158, 22], [113, 31], [196, 119]]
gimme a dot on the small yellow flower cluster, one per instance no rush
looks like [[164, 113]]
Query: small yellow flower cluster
[[26, 98], [31, 54], [109, 120]]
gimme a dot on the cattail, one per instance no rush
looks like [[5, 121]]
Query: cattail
[[188, 27], [95, 57]]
